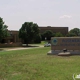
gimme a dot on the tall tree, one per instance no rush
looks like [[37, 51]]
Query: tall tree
[[28, 32], [37, 39], [3, 30]]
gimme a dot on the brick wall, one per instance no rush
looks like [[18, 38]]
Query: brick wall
[[63, 30], [11, 45]]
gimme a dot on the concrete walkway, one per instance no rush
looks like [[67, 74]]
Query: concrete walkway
[[21, 48]]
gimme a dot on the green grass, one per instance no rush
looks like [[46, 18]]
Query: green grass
[[35, 64], [42, 43]]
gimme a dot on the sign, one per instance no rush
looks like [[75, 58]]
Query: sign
[[70, 43], [54, 41]]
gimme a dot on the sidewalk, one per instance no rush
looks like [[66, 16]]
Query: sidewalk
[[20, 48]]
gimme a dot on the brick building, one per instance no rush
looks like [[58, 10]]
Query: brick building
[[63, 30], [14, 38]]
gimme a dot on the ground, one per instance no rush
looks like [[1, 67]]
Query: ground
[[35, 64]]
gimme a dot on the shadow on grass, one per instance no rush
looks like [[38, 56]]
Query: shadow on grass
[[30, 46], [1, 49]]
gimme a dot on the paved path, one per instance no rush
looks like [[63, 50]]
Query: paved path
[[21, 48]]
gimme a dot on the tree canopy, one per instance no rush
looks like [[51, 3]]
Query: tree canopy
[[48, 34], [58, 34], [28, 32], [74, 32], [3, 29]]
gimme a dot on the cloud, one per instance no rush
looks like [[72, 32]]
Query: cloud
[[65, 16]]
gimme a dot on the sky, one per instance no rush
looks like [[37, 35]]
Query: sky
[[56, 13]]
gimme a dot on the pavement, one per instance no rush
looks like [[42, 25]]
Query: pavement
[[21, 48]]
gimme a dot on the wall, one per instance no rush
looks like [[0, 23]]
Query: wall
[[63, 30], [11, 45]]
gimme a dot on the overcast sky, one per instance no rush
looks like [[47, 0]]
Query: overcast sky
[[65, 13]]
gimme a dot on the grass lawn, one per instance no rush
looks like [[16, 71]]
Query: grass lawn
[[35, 64]]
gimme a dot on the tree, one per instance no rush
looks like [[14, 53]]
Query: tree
[[74, 32], [58, 34], [42, 36], [71, 34], [38, 39], [3, 30], [28, 32], [48, 34]]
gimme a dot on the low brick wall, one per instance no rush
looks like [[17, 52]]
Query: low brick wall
[[11, 45]]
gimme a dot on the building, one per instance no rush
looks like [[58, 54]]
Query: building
[[63, 30], [14, 38]]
